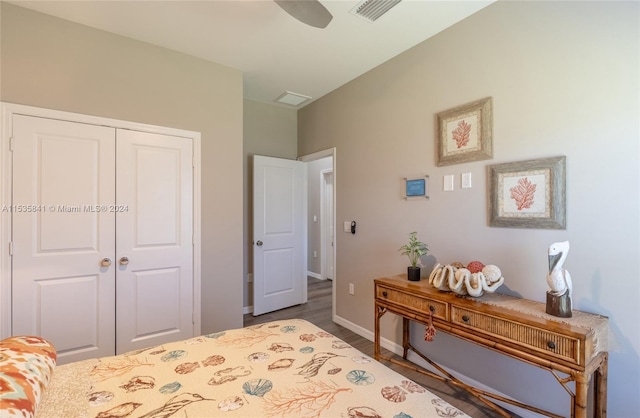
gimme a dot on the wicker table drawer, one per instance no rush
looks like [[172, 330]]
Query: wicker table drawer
[[414, 302], [544, 341]]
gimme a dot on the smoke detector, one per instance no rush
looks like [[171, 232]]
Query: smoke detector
[[371, 10]]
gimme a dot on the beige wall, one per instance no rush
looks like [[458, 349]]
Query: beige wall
[[52, 63], [564, 81], [272, 131]]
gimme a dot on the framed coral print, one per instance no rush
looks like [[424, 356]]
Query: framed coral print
[[465, 133], [528, 194]]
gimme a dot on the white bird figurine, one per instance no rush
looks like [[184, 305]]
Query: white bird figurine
[[558, 278]]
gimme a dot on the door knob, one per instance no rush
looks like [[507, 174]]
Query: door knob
[[124, 261], [259, 243], [105, 262]]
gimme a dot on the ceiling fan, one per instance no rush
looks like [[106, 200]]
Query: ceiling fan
[[311, 12]]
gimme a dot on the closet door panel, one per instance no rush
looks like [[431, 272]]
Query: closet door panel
[[63, 176], [159, 287], [82, 331], [155, 235]]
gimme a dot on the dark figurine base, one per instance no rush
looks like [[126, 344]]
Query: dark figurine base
[[559, 305]]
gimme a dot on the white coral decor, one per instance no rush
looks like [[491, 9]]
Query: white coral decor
[[492, 273], [463, 282]]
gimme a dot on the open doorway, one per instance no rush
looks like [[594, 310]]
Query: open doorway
[[327, 234], [321, 247]]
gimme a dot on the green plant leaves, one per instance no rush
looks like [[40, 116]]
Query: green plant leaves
[[414, 249]]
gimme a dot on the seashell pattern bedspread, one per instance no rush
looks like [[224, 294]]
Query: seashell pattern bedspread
[[287, 368]]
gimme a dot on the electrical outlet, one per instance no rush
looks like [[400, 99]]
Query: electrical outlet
[[315, 254], [351, 289]]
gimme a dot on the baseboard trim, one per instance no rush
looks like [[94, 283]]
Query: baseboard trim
[[247, 310], [414, 358], [314, 275]]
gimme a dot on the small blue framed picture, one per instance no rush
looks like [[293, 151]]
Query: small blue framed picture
[[416, 187]]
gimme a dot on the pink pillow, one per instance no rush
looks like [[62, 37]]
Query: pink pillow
[[26, 366]]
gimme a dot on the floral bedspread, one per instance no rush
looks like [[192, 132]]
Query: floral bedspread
[[285, 368]]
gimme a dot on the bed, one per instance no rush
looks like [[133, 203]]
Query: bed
[[288, 368]]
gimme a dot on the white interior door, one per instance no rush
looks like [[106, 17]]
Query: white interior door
[[62, 172], [154, 239], [279, 233]]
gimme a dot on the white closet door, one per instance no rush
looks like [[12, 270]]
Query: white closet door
[[62, 172], [155, 234]]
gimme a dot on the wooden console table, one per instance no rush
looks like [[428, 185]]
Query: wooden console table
[[519, 328]]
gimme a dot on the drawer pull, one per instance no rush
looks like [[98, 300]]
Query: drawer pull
[[465, 318], [432, 308], [384, 293], [551, 345]]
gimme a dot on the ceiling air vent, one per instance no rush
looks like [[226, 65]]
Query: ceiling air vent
[[292, 99], [371, 10]]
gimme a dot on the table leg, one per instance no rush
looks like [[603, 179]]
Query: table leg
[[600, 387], [376, 334], [579, 409], [405, 337]]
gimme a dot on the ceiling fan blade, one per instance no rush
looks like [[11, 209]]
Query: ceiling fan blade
[[311, 12]]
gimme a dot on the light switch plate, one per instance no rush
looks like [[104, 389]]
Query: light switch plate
[[448, 183], [347, 226], [466, 180]]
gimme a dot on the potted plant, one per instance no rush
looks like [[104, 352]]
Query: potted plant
[[414, 250]]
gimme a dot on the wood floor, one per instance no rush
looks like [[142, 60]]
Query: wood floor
[[318, 311]]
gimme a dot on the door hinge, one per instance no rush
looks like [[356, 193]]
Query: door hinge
[[11, 144], [10, 248]]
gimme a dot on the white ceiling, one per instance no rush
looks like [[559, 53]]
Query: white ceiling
[[275, 52]]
